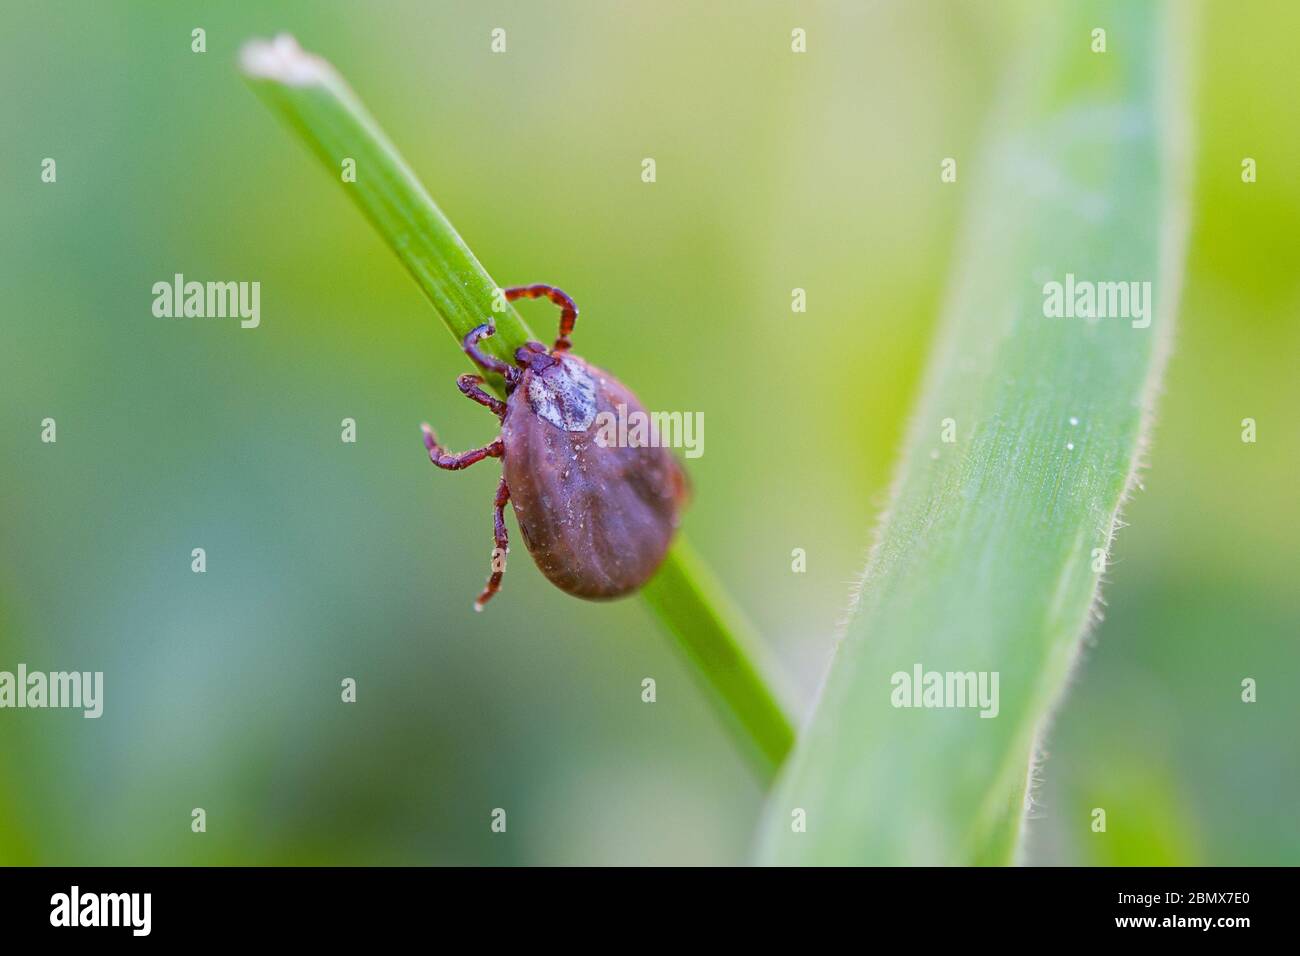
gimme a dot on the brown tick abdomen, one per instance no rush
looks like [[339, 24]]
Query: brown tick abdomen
[[596, 519]]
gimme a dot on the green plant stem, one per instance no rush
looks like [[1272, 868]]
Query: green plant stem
[[719, 641], [316, 101]]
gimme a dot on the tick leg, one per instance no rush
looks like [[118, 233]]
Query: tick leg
[[484, 361], [568, 308], [454, 461], [469, 384], [501, 545]]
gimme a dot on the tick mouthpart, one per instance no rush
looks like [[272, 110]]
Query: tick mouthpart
[[534, 355]]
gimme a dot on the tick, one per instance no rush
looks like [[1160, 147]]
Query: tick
[[596, 518]]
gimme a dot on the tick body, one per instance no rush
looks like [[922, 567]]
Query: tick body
[[596, 518]]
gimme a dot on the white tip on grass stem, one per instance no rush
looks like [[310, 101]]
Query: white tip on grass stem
[[283, 61]]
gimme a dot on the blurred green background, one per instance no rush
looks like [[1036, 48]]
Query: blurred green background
[[328, 560]]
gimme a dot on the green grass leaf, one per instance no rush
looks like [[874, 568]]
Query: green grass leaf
[[309, 93], [984, 561]]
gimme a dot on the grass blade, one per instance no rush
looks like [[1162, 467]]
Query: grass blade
[[719, 641], [313, 97], [985, 561]]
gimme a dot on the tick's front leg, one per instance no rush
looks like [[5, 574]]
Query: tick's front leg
[[502, 545], [470, 386], [454, 461], [487, 362], [568, 308]]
